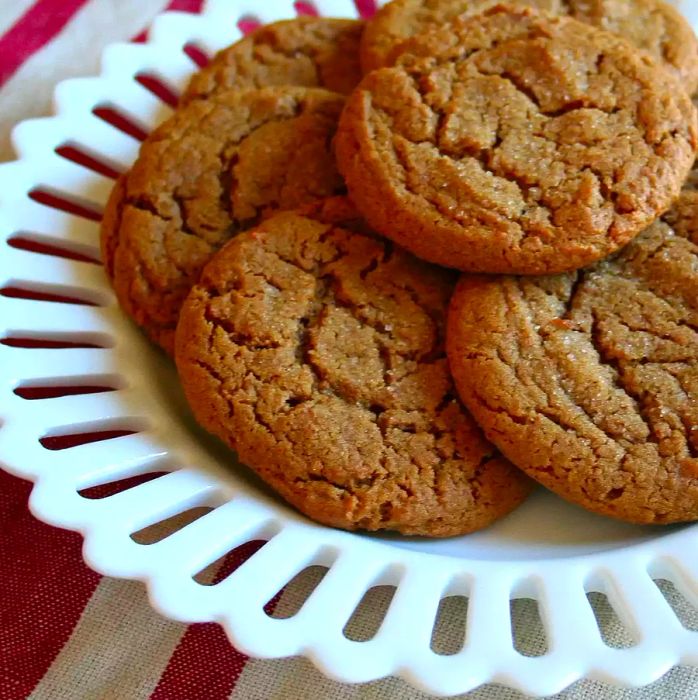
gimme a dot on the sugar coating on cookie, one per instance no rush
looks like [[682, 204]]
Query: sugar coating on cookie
[[306, 51], [216, 167], [317, 352], [588, 381], [516, 142], [651, 25]]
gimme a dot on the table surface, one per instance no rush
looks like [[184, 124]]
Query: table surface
[[66, 632]]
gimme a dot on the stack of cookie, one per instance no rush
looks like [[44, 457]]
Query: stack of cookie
[[538, 152]]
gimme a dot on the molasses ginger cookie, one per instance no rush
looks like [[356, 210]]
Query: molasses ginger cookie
[[306, 51], [316, 350], [651, 25], [684, 212], [216, 167], [588, 381], [516, 142]]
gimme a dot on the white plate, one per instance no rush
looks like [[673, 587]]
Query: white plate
[[547, 550]]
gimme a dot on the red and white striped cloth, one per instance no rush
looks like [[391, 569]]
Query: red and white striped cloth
[[67, 633]]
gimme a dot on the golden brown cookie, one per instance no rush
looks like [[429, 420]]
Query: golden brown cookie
[[306, 51], [651, 25], [317, 352], [516, 142], [588, 381], [216, 167], [684, 213]]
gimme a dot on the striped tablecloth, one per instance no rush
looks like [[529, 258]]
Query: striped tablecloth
[[67, 633]]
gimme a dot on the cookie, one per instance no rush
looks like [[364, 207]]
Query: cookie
[[306, 51], [588, 381], [215, 168], [516, 142], [684, 212], [316, 350], [651, 25]]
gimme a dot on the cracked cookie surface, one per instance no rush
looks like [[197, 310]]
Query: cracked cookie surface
[[306, 51], [516, 142], [651, 25], [588, 381], [216, 167], [316, 350]]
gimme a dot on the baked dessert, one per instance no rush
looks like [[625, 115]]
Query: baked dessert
[[316, 350], [306, 51], [651, 25], [588, 381], [216, 167], [516, 142]]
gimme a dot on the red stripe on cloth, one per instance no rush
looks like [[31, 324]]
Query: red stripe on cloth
[[35, 28], [45, 587], [305, 8], [186, 5], [366, 8], [205, 665]]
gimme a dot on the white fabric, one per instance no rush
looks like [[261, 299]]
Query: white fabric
[[10, 14]]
